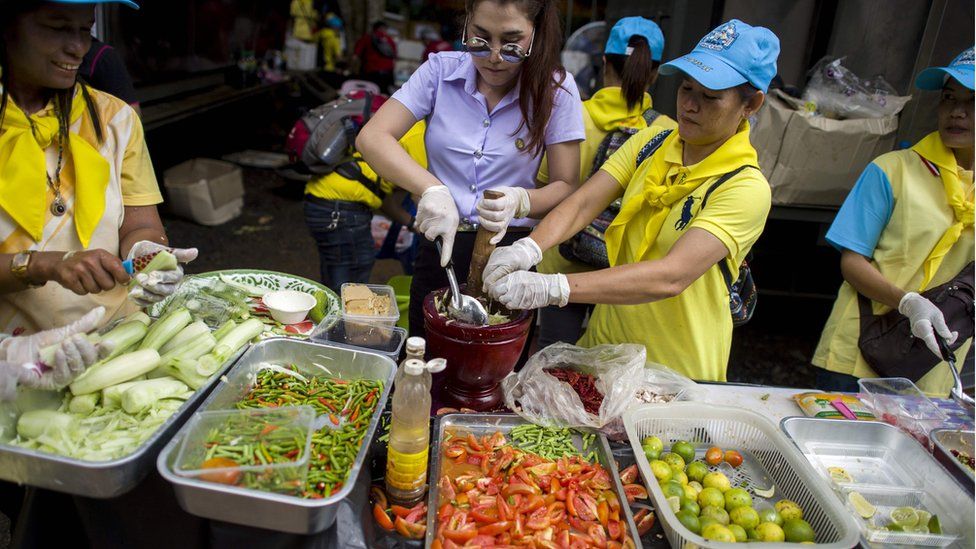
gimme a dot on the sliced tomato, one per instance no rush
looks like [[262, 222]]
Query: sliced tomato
[[410, 530], [474, 443], [300, 327], [494, 528], [454, 450], [445, 512], [598, 535], [554, 485], [436, 544], [462, 535], [585, 506], [603, 512], [447, 488], [629, 475], [533, 502], [635, 492], [485, 514], [221, 477], [415, 515], [556, 511], [481, 541], [399, 511], [382, 518], [378, 496], [517, 488], [614, 529], [538, 520], [644, 519]]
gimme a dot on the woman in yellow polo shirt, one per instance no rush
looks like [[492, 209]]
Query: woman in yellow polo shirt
[[664, 288], [907, 226], [77, 188]]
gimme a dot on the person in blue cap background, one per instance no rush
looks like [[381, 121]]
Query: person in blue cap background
[[907, 226], [667, 248], [617, 111]]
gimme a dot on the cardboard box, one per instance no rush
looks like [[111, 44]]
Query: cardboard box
[[813, 160], [210, 192]]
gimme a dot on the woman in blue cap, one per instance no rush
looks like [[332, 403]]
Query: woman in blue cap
[[907, 226], [617, 111], [665, 288], [77, 189]]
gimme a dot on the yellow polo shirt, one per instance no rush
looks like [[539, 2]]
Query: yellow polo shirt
[[691, 332]]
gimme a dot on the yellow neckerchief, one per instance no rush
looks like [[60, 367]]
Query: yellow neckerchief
[[661, 192], [23, 170], [932, 149], [608, 110]]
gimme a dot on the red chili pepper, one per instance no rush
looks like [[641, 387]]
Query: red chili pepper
[[268, 429], [327, 404], [333, 419]]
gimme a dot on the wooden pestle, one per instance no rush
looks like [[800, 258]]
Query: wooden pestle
[[482, 251]]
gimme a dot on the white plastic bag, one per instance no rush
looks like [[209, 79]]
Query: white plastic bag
[[540, 398], [659, 385]]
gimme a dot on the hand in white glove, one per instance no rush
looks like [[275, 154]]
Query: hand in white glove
[[528, 290], [152, 287], [437, 215], [926, 320], [52, 358], [495, 214], [522, 255]]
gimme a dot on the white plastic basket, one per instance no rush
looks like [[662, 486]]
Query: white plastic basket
[[768, 454]]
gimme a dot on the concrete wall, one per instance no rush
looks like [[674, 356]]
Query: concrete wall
[[789, 20]]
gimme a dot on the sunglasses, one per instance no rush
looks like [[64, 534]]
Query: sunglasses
[[511, 52]]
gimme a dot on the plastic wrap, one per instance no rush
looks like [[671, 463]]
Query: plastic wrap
[[659, 385], [540, 398], [836, 92]]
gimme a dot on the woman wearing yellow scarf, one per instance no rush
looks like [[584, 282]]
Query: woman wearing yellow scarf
[[665, 288], [77, 189], [907, 226]]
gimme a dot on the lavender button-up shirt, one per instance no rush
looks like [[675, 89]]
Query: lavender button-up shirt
[[471, 150]]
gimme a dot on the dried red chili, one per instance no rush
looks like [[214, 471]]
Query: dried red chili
[[583, 384]]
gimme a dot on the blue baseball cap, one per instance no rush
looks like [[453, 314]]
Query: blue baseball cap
[[961, 68], [629, 26], [732, 54], [129, 3]]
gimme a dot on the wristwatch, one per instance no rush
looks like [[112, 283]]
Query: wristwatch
[[18, 267]]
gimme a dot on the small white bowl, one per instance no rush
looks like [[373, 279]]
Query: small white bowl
[[288, 306]]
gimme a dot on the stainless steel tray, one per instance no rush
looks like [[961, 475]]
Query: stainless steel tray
[[95, 479], [480, 424], [945, 441], [264, 509], [890, 469]]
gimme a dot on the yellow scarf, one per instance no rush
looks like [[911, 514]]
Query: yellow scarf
[[608, 110], [932, 148], [660, 192], [23, 171]]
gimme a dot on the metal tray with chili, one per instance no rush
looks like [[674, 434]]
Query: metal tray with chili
[[474, 461]]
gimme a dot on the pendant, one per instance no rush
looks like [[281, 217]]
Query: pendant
[[57, 207]]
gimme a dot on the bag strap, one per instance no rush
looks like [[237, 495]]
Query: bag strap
[[650, 115], [350, 170], [729, 279]]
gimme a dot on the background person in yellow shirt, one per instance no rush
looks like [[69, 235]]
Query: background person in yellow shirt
[[665, 288], [77, 188], [631, 59], [331, 42], [338, 212], [906, 226]]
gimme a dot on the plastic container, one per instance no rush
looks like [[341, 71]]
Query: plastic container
[[885, 500], [478, 357], [300, 55], [354, 334], [947, 440], [897, 401], [210, 192], [770, 461], [245, 433], [389, 319], [288, 306]]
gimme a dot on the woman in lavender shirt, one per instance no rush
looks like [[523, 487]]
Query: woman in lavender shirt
[[491, 112]]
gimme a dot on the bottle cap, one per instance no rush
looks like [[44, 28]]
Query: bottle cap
[[416, 345], [414, 367], [436, 365]]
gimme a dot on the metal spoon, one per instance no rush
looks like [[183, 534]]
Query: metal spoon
[[463, 308], [957, 392]]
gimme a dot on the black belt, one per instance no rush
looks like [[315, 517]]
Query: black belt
[[338, 205]]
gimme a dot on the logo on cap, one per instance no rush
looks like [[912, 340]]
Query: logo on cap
[[965, 58], [720, 38]]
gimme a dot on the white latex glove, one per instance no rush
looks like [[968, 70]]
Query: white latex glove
[[528, 290], [437, 215], [495, 214], [926, 320], [522, 255], [52, 358], [152, 287]]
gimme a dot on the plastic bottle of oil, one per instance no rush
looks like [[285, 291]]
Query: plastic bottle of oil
[[407, 450]]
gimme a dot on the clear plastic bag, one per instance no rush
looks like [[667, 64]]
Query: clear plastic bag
[[540, 398], [836, 92], [659, 385]]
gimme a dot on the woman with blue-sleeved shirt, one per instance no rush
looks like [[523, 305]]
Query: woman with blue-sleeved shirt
[[907, 226], [491, 112]]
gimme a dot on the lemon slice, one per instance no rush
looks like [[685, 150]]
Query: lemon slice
[[934, 526], [839, 474], [861, 505], [675, 503], [905, 517]]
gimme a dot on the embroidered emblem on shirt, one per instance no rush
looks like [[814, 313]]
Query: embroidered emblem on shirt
[[720, 38], [519, 144], [652, 146], [686, 214]]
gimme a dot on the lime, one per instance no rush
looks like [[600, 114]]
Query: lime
[[737, 497], [770, 515], [905, 516], [653, 443], [717, 513], [894, 528], [696, 470], [797, 530], [651, 454], [691, 506], [674, 460], [739, 533], [662, 472], [706, 521], [751, 534], [711, 497], [717, 480], [746, 517], [690, 492], [861, 505], [838, 474], [672, 488], [684, 449], [789, 509], [934, 526], [696, 485], [675, 503], [718, 532], [690, 521], [919, 529], [680, 476], [770, 531], [924, 517]]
